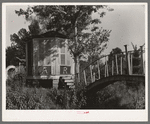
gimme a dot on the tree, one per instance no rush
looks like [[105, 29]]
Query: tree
[[10, 53], [137, 60], [18, 42], [18, 47], [116, 52], [72, 21]]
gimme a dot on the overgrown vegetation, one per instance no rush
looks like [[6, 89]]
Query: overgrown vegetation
[[85, 45], [18, 96], [120, 95]]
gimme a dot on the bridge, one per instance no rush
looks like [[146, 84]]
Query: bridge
[[124, 66]]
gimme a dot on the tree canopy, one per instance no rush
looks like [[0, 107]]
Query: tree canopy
[[70, 20], [85, 37]]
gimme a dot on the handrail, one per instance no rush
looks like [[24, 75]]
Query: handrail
[[115, 66], [93, 62], [106, 56]]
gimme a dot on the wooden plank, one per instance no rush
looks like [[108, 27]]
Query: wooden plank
[[126, 52], [98, 69], [107, 68], [116, 64], [94, 77], [84, 77], [129, 66], [91, 73], [121, 65], [112, 67]]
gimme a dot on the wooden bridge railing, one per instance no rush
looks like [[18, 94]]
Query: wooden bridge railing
[[125, 63]]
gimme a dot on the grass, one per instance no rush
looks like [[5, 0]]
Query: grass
[[18, 96], [122, 95]]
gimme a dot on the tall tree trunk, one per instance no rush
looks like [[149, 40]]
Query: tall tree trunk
[[76, 59], [77, 73]]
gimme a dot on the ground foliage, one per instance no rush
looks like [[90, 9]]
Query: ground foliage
[[120, 95], [18, 96]]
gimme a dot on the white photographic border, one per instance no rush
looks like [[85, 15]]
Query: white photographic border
[[72, 115]]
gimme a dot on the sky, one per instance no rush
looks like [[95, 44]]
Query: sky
[[127, 23]]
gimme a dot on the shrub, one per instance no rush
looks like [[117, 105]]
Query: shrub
[[120, 95], [18, 96]]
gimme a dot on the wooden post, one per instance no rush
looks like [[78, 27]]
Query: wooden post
[[131, 68], [107, 68], [126, 59], [112, 67], [129, 63], [91, 73], [116, 64], [94, 77], [99, 76], [141, 48], [121, 65], [84, 77]]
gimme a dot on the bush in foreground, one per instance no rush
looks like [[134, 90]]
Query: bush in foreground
[[18, 96], [120, 95]]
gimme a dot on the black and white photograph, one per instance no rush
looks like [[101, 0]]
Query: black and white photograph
[[74, 61]]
